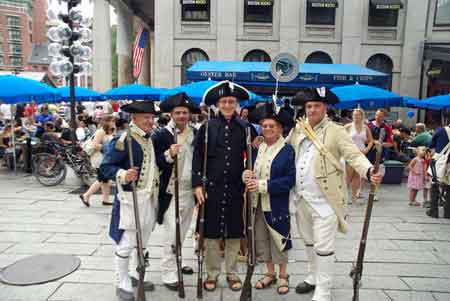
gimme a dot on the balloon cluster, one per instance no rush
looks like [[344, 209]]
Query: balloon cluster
[[68, 33]]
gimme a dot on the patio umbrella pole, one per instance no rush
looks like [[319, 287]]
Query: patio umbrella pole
[[13, 136]]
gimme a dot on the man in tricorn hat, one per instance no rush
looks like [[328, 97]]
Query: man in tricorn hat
[[224, 188], [319, 194], [116, 166], [180, 107]]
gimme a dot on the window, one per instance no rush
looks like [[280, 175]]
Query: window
[[189, 58], [442, 16], [195, 10], [321, 12], [384, 12], [14, 34], [319, 57], [260, 11], [13, 21], [15, 60], [257, 56], [15, 48], [382, 63]]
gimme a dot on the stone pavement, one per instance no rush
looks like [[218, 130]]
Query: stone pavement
[[407, 258]]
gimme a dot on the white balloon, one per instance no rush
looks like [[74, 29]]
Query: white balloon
[[54, 50], [85, 68], [85, 35], [86, 53]]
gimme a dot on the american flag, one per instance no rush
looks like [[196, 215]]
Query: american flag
[[138, 50]]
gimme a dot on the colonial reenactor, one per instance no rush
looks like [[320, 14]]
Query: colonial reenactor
[[116, 166], [320, 191], [270, 182], [224, 188], [180, 107]]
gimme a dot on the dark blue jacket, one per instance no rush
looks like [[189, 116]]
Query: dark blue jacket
[[114, 159], [439, 140], [280, 183]]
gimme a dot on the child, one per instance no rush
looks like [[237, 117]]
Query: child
[[427, 183], [416, 177]]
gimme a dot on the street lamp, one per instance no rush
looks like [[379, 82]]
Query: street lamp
[[67, 34]]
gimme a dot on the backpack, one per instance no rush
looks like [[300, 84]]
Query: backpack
[[441, 159]]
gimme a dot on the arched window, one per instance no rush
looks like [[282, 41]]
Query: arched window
[[189, 58], [257, 56], [382, 63], [319, 57]]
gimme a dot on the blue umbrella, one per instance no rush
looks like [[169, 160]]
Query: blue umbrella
[[82, 94], [367, 97], [16, 89], [412, 102], [134, 91], [437, 102], [197, 89]]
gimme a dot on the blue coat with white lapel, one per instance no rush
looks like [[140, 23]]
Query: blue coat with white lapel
[[278, 186], [115, 159]]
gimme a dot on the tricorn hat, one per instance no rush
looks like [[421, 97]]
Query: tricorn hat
[[141, 106], [223, 89], [268, 111], [314, 94], [179, 100]]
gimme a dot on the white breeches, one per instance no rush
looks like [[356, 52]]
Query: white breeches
[[168, 263], [319, 235]]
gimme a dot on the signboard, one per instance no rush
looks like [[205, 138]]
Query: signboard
[[195, 2], [323, 4], [260, 2], [284, 67]]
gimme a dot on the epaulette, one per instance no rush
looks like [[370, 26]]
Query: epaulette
[[120, 144]]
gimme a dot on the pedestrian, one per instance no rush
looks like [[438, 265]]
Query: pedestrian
[[375, 127], [319, 194], [422, 138], [116, 166], [180, 107], [416, 176], [270, 182], [224, 190], [362, 137], [98, 142]]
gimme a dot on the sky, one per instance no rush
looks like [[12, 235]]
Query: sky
[[86, 5]]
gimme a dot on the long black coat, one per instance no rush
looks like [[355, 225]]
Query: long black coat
[[162, 140], [225, 164]]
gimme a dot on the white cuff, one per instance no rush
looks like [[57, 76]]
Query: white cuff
[[262, 186], [121, 176], [168, 157]]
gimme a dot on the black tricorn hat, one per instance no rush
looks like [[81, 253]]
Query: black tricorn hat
[[178, 100], [141, 106], [267, 111], [314, 94], [223, 89]]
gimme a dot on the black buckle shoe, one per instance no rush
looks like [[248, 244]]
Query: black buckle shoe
[[172, 286], [304, 288], [187, 270], [148, 285]]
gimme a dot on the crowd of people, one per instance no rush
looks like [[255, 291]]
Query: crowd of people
[[295, 173]]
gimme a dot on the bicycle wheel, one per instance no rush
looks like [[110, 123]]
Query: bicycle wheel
[[49, 170]]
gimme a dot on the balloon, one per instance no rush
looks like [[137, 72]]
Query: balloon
[[410, 114]]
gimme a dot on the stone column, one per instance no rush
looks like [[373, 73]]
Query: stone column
[[163, 39], [102, 64], [125, 36], [352, 31], [289, 29], [226, 30]]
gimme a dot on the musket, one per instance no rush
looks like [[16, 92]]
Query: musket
[[246, 293], [140, 248], [201, 217], [356, 272], [177, 222], [435, 194]]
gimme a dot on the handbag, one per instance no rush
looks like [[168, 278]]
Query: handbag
[[88, 146]]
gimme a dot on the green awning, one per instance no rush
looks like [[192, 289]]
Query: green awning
[[387, 4], [323, 3], [260, 2]]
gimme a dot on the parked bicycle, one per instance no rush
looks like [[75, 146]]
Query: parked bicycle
[[50, 164]]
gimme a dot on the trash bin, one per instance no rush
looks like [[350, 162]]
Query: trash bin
[[393, 172]]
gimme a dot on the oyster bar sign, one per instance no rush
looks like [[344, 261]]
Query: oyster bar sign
[[218, 74]]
